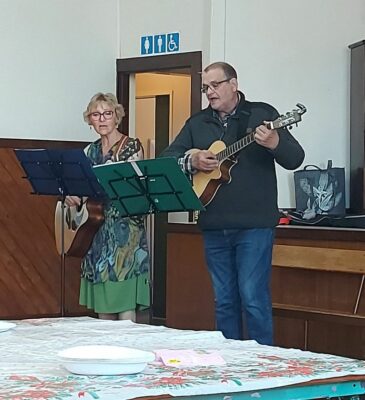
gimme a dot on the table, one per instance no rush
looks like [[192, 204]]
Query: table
[[30, 369]]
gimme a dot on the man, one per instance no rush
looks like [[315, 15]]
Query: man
[[238, 224]]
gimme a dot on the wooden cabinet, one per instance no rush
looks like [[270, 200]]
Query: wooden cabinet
[[318, 297], [317, 288]]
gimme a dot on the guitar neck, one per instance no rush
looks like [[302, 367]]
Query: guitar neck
[[288, 119], [236, 147]]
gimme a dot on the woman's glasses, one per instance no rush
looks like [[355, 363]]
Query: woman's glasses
[[95, 116]]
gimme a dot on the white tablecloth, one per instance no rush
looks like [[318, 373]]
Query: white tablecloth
[[30, 368]]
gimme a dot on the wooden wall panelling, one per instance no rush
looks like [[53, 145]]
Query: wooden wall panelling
[[321, 258], [190, 299], [28, 258], [315, 290], [72, 286], [320, 236], [289, 332], [331, 278], [321, 332], [361, 303], [336, 338], [321, 286], [30, 279]]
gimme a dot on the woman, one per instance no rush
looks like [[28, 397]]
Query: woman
[[114, 272]]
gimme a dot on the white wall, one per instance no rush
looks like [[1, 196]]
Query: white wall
[[292, 51], [191, 18], [54, 56]]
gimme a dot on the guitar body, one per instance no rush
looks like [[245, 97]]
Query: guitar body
[[206, 184], [80, 226]]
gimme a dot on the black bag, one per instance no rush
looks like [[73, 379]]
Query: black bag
[[320, 191]]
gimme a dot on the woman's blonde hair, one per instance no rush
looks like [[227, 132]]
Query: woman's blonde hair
[[108, 98]]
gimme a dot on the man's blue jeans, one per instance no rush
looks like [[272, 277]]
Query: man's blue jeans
[[239, 262]]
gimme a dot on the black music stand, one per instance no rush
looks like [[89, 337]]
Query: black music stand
[[60, 172], [147, 187]]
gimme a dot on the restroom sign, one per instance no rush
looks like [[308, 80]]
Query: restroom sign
[[173, 42], [160, 44], [146, 44]]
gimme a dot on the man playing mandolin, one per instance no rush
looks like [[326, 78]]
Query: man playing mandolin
[[237, 183]]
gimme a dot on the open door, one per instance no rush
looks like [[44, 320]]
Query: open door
[[157, 107]]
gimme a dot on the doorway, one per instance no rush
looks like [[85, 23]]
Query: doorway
[[129, 71]]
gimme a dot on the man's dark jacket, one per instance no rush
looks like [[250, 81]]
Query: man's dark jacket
[[250, 199]]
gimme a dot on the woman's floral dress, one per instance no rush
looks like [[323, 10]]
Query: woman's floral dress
[[115, 270]]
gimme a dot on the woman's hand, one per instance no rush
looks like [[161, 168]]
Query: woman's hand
[[73, 201]]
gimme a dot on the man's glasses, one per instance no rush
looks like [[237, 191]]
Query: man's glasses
[[95, 116], [213, 85]]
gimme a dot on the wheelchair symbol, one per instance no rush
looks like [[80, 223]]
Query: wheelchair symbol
[[171, 45]]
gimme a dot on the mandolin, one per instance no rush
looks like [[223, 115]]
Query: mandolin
[[80, 226]]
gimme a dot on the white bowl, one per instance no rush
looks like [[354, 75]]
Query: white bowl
[[104, 360], [97, 368]]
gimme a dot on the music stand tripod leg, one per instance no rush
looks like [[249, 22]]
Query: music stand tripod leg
[[63, 257], [150, 227]]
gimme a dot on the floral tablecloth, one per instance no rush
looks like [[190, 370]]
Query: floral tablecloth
[[30, 368]]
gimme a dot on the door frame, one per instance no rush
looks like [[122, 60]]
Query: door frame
[[188, 61]]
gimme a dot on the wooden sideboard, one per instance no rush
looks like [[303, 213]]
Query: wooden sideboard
[[317, 287]]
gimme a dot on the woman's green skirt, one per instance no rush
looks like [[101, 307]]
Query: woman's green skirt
[[115, 297]]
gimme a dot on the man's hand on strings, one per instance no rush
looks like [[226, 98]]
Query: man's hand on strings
[[266, 137]]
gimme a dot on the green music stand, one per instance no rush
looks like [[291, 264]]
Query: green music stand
[[147, 186]]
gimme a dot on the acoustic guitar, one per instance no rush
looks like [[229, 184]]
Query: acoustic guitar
[[80, 226], [206, 185]]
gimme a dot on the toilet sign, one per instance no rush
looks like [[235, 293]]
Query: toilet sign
[[172, 42], [160, 43], [146, 44]]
